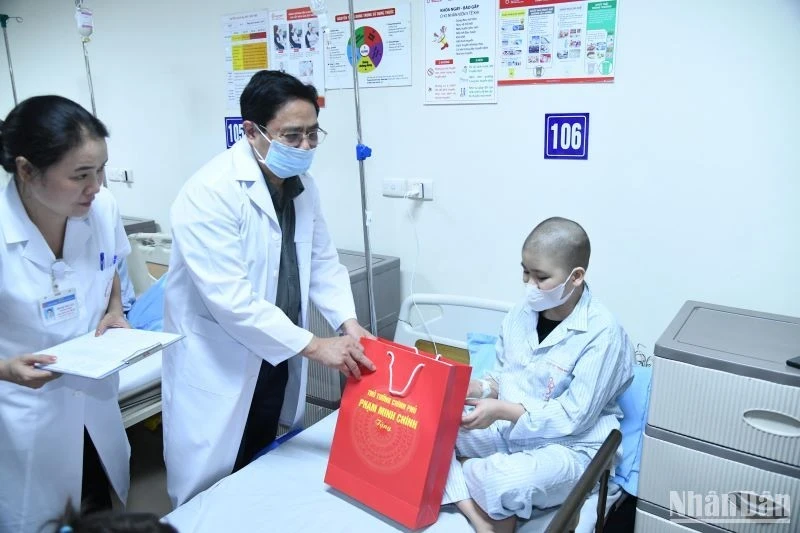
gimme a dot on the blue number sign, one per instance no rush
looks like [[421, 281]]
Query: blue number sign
[[234, 130], [566, 136]]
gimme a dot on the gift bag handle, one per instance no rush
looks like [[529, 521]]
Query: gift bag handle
[[438, 355], [403, 392]]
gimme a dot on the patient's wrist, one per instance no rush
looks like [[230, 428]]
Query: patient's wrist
[[474, 389], [511, 411]]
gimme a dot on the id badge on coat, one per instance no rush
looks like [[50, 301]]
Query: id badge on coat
[[59, 307]]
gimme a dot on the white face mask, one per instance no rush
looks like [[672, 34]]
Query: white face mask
[[541, 300], [285, 161]]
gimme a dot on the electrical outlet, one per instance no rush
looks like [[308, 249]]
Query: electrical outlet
[[422, 189], [115, 174], [394, 188], [120, 175], [412, 189]]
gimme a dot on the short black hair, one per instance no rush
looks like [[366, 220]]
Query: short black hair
[[43, 129], [110, 522], [268, 91], [564, 240]]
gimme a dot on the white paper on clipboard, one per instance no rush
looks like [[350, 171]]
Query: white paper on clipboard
[[97, 357]]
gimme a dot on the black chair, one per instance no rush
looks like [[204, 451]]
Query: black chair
[[599, 470]]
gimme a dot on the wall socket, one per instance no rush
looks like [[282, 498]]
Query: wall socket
[[393, 188], [121, 175], [421, 189], [413, 189]]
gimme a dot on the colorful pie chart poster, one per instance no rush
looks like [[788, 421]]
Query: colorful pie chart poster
[[381, 51]]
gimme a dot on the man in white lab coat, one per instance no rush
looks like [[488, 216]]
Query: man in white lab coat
[[250, 247]]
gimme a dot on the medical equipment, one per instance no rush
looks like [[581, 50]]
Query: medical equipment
[[138, 225], [85, 23], [325, 384], [83, 18], [724, 409], [140, 385], [4, 22], [320, 9]]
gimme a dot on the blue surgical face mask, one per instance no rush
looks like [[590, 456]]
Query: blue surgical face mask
[[285, 161]]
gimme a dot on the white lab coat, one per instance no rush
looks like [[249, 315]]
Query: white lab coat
[[41, 431], [220, 294]]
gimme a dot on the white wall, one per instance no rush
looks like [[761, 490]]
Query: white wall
[[690, 190]]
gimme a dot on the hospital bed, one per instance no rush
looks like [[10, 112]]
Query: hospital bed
[[140, 384], [284, 488]]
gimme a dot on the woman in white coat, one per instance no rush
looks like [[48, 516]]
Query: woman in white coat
[[60, 233], [250, 247]]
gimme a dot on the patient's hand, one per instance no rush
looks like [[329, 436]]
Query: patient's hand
[[475, 389], [484, 414], [489, 410]]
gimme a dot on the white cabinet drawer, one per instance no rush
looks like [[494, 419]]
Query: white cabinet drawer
[[648, 523], [697, 484], [742, 413]]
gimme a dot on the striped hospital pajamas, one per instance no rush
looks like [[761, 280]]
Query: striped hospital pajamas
[[505, 484], [569, 385]]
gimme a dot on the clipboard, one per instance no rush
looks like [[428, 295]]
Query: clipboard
[[141, 354], [99, 357]]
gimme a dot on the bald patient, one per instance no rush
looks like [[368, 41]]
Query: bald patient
[[551, 399]]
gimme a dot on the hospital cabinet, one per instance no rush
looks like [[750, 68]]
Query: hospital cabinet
[[721, 449]]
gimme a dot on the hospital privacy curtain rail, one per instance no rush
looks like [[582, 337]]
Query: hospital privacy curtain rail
[[599, 469]]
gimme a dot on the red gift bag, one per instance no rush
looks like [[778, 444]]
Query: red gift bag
[[396, 432]]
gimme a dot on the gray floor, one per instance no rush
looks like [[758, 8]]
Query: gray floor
[[148, 492]]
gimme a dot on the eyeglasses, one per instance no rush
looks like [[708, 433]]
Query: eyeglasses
[[295, 138]]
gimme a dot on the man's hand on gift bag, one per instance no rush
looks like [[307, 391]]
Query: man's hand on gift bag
[[488, 410], [353, 328], [343, 353]]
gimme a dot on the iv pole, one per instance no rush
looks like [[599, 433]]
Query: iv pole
[[84, 19], [89, 74], [4, 23], [362, 152]]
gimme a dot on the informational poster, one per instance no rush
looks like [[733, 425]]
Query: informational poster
[[244, 37], [460, 52], [557, 41], [297, 47], [381, 52]]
